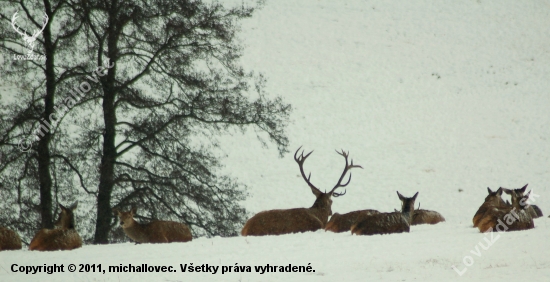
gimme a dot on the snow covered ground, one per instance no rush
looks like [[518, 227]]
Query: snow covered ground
[[443, 98]]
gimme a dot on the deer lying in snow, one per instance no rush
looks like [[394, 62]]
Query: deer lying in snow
[[426, 217], [153, 232], [276, 222], [343, 222], [63, 237], [533, 210], [492, 201], [508, 218], [9, 240], [386, 223]]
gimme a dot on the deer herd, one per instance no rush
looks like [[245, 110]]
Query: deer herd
[[493, 215]]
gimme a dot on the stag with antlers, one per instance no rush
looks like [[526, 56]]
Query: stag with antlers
[[275, 222]]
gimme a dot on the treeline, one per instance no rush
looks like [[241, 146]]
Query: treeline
[[124, 107]]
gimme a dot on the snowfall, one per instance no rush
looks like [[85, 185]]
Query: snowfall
[[444, 98]]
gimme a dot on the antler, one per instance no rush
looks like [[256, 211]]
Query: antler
[[14, 25], [300, 160], [348, 167]]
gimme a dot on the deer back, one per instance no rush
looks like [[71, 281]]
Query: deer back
[[426, 217], [277, 222], [63, 237], [343, 222], [535, 211], [153, 232], [492, 201], [386, 223], [382, 223], [9, 239]]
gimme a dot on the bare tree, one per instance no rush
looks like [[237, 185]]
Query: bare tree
[[173, 85], [27, 30], [144, 130]]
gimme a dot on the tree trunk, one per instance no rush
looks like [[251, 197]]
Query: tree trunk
[[44, 158], [106, 178]]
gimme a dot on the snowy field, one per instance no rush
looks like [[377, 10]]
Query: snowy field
[[444, 98]]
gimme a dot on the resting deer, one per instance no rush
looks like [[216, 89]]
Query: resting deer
[[426, 217], [152, 232], [9, 240], [533, 210], [508, 218], [386, 223], [343, 222], [276, 222], [492, 201], [63, 237]]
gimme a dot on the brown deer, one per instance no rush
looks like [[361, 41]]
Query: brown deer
[[492, 201], [386, 223], [343, 222], [9, 240], [276, 222], [426, 217], [508, 218], [533, 210], [63, 237], [421, 216], [152, 232]]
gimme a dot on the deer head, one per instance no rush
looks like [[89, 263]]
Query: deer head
[[29, 40], [126, 218], [66, 216], [407, 204], [519, 199], [495, 198]]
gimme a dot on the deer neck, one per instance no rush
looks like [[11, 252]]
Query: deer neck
[[407, 212], [321, 211], [517, 206], [136, 231], [65, 223], [407, 215]]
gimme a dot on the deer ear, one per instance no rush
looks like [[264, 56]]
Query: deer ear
[[317, 192], [62, 207], [489, 190], [523, 188], [414, 197], [73, 206], [507, 191], [400, 196], [499, 191], [116, 211], [524, 200], [133, 210]]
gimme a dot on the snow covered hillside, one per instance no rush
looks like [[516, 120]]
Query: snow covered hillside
[[444, 98]]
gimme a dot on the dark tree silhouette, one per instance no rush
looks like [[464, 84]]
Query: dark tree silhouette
[[37, 83], [174, 85], [144, 130]]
